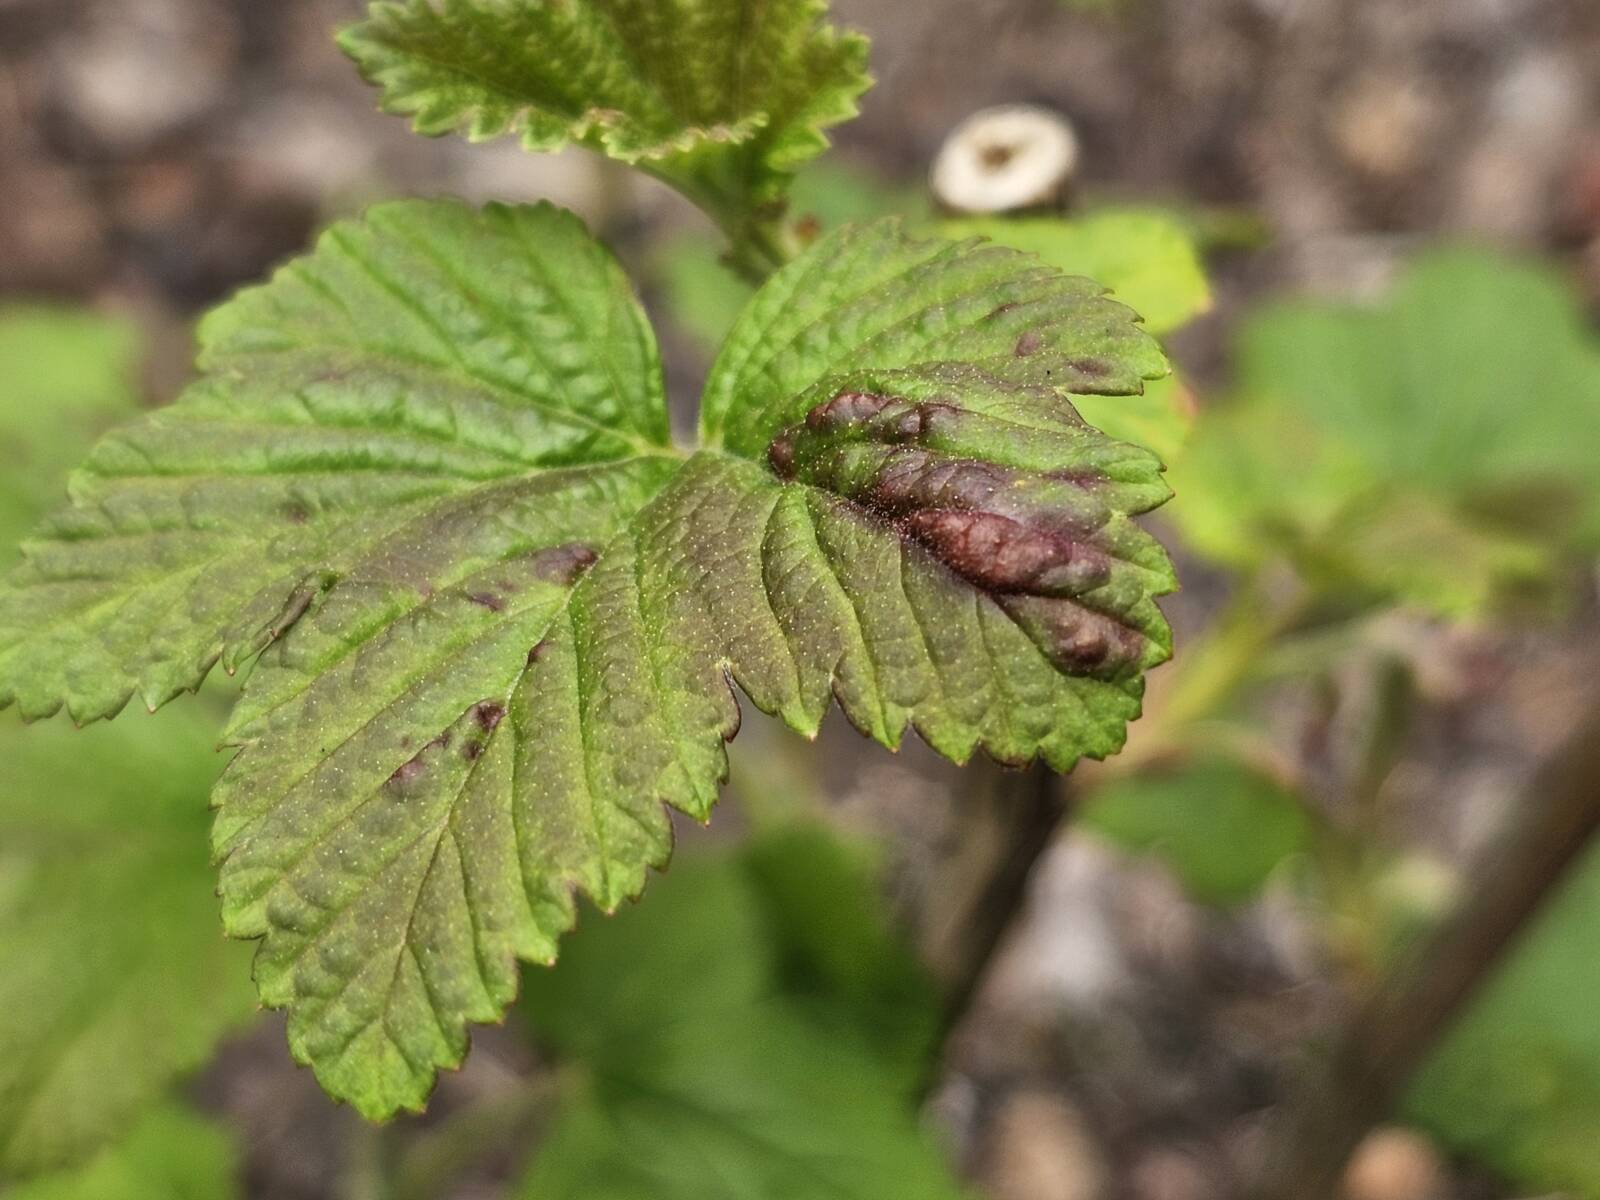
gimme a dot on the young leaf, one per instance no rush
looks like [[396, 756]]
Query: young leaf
[[722, 98], [427, 472], [704, 295], [172, 1154], [1150, 262], [1102, 360], [730, 1046]]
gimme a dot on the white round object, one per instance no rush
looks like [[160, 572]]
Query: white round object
[[1005, 159]]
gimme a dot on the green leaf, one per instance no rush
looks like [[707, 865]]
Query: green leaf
[[1147, 258], [727, 1041], [69, 375], [420, 363], [723, 98], [1150, 262], [1160, 420], [497, 617], [1221, 826], [109, 937], [1517, 1082], [1437, 448], [171, 1154], [777, 1108], [871, 298]]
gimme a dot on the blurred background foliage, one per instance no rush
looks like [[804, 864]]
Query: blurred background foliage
[[1369, 233]]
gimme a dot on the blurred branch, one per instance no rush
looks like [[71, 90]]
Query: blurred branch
[[505, 1123], [1392, 1033], [1002, 832]]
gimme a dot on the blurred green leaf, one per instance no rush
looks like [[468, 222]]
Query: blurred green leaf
[[754, 1032], [114, 975], [704, 296], [1222, 826], [65, 377], [1159, 420], [836, 954], [1437, 448], [171, 1155], [1517, 1082], [1097, 8]]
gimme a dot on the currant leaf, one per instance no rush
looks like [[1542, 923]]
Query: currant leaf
[[496, 620], [724, 98]]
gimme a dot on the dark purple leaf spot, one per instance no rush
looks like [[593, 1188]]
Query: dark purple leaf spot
[[407, 771], [781, 456], [487, 600], [992, 551], [564, 564], [847, 408], [1028, 344], [1033, 541]]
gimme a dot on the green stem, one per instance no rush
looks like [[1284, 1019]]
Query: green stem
[[760, 238]]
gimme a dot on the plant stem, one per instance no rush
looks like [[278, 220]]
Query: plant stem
[[1389, 1038], [1003, 831], [364, 1176], [983, 885], [760, 240]]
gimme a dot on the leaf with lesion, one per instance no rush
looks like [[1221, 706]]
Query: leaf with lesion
[[381, 825], [496, 621]]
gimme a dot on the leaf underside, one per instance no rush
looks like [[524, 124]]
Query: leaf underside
[[426, 485], [712, 95]]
